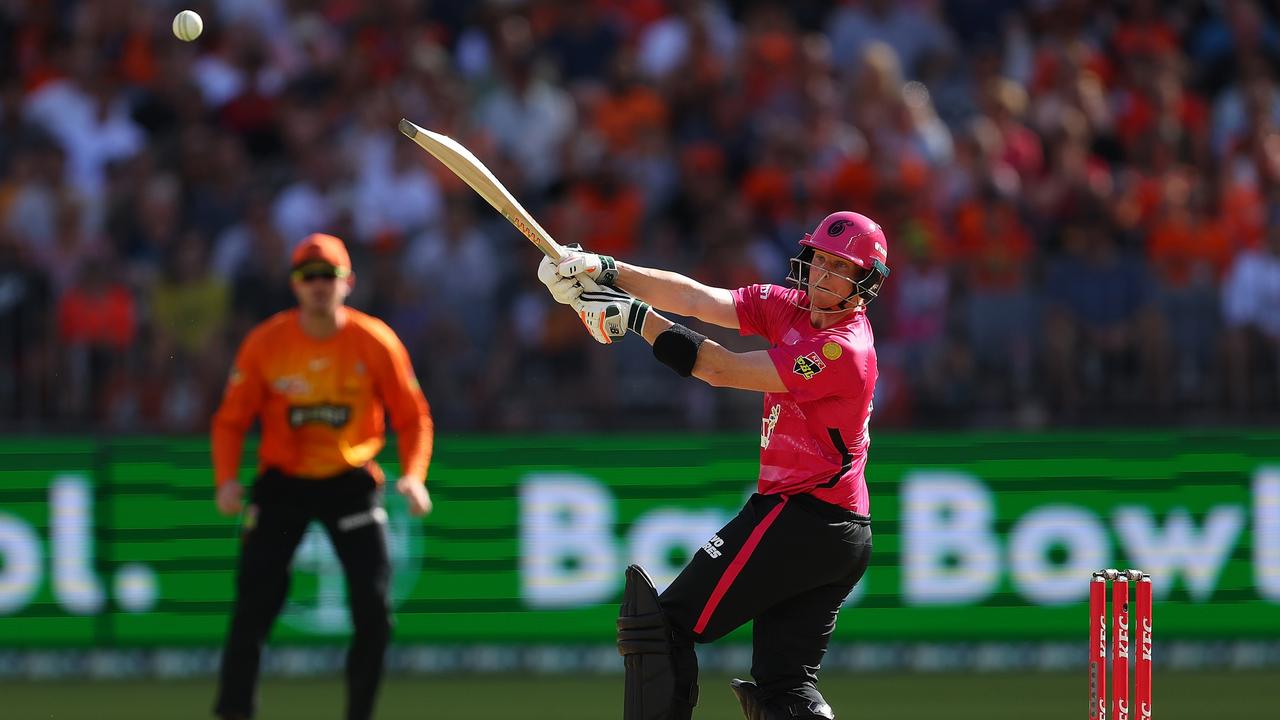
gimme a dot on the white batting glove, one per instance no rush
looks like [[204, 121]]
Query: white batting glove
[[608, 314], [601, 269], [564, 289]]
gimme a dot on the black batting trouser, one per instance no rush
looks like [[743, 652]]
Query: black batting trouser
[[350, 508], [785, 563]]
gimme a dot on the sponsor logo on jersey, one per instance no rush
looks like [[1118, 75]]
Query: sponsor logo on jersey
[[712, 546], [832, 351], [291, 385], [334, 416], [806, 366], [767, 424]]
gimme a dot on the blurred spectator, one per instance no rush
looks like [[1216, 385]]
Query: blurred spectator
[[993, 255], [1250, 300], [250, 257], [13, 129], [26, 323], [315, 200], [692, 26], [583, 43], [1250, 103], [629, 109], [1005, 102], [1188, 249], [1102, 339], [925, 131], [215, 175], [919, 294], [456, 272], [88, 115], [602, 211], [528, 116], [403, 201], [1226, 40], [32, 193], [913, 30], [190, 304], [97, 322]]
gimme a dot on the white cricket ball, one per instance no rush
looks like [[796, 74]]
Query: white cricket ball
[[187, 25]]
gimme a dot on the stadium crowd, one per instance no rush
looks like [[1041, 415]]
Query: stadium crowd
[[1082, 198]]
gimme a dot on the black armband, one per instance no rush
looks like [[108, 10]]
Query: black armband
[[677, 348]]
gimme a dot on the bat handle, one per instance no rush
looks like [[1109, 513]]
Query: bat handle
[[587, 283]]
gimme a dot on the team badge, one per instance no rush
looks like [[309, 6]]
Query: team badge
[[832, 351], [806, 366]]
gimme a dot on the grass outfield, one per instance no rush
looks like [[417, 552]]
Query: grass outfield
[[1190, 696]]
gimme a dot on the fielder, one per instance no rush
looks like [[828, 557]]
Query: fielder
[[794, 552], [317, 379]]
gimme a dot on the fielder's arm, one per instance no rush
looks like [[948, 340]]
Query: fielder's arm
[[718, 366]]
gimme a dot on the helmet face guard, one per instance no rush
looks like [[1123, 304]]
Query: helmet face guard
[[867, 287], [852, 237]]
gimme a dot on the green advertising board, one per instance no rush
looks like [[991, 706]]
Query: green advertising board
[[116, 543]]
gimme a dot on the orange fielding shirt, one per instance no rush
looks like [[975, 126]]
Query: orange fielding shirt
[[321, 402]]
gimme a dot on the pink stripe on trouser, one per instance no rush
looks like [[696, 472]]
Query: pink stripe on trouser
[[735, 567]]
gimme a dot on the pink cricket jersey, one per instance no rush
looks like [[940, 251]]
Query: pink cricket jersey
[[814, 437]]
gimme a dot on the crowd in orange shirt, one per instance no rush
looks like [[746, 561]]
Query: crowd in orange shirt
[[1069, 187]]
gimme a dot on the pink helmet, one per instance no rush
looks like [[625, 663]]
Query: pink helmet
[[854, 237]]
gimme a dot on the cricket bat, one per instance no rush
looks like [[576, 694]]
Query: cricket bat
[[473, 172]]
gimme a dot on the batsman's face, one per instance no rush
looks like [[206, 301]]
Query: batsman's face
[[830, 280], [321, 290]]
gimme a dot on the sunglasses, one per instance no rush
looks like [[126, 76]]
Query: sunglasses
[[307, 276]]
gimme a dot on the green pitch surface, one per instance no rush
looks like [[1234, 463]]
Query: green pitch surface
[[878, 696]]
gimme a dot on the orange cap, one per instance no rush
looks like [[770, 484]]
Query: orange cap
[[321, 248]]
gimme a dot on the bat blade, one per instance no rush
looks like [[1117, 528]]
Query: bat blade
[[474, 173]]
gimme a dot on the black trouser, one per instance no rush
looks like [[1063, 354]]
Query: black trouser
[[786, 563], [350, 508]]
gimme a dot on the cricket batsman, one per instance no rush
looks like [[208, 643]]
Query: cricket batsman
[[803, 540], [317, 379]]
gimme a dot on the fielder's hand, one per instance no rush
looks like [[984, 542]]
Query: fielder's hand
[[564, 289], [608, 313], [416, 493], [601, 269], [230, 498]]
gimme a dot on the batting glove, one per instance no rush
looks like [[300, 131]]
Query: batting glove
[[600, 268], [608, 314]]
